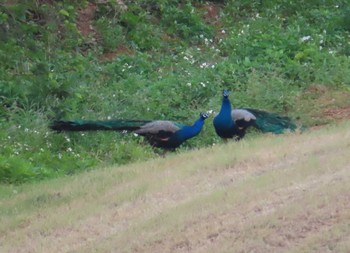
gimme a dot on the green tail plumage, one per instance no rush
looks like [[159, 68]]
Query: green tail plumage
[[272, 122], [90, 125]]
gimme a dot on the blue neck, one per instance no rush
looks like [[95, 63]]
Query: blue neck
[[188, 132], [225, 108]]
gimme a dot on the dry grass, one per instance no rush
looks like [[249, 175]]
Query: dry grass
[[286, 193]]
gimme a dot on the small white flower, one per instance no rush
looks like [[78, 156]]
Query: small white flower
[[69, 149], [305, 38], [109, 117], [223, 31], [203, 84], [188, 84], [204, 65]]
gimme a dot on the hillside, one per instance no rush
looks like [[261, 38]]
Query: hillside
[[159, 59], [267, 194]]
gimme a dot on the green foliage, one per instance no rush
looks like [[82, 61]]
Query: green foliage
[[169, 62], [111, 33], [185, 22]]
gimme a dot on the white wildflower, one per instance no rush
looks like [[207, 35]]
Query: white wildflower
[[204, 65], [305, 38]]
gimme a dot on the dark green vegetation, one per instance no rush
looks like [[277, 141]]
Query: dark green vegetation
[[159, 59]]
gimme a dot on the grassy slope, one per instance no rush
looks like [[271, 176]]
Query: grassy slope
[[238, 197]]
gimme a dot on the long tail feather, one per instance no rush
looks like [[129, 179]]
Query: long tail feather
[[90, 125], [272, 122]]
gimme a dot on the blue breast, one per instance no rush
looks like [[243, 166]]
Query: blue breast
[[223, 123]]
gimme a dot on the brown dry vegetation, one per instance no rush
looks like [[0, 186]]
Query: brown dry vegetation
[[286, 193]]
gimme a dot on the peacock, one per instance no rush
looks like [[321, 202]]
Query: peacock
[[233, 123], [164, 134]]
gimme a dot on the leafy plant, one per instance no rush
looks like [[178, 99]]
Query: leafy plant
[[156, 59]]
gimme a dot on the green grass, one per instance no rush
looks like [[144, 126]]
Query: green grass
[[172, 58]]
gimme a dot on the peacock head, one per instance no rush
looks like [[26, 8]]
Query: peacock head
[[204, 115], [225, 93]]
